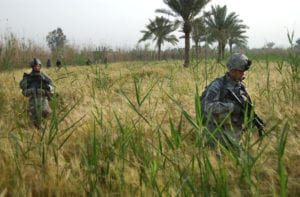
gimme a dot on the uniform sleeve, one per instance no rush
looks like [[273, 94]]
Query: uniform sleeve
[[23, 83], [213, 103], [50, 88], [48, 79]]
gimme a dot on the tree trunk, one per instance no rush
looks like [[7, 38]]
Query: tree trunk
[[223, 50], [187, 50], [219, 51], [197, 49], [159, 51], [187, 29], [230, 46]]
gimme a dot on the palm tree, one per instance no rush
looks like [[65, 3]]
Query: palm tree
[[159, 30], [236, 36], [223, 27], [199, 33], [187, 10]]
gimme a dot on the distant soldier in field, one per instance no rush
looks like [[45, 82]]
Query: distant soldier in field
[[48, 63], [39, 88], [58, 63], [88, 62], [224, 102]]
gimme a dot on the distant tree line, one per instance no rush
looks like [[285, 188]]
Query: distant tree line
[[215, 26], [17, 52], [214, 33]]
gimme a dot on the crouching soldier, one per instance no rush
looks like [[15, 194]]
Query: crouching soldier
[[39, 88]]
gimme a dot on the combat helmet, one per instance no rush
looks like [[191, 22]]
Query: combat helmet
[[35, 61], [238, 61]]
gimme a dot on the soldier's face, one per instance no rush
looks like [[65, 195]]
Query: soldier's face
[[36, 68], [237, 75]]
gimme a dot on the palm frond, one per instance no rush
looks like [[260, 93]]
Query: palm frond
[[164, 11], [159, 31]]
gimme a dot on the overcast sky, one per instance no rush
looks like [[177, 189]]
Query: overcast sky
[[117, 23]]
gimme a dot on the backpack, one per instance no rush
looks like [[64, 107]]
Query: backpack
[[203, 95]]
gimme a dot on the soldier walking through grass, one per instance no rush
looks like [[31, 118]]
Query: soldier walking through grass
[[58, 63], [223, 115], [39, 88], [48, 63]]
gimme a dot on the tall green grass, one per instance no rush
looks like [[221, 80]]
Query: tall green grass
[[136, 129]]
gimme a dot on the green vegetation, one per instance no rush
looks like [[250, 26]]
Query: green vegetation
[[134, 129]]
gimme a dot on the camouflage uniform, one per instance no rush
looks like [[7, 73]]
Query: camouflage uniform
[[48, 63], [58, 63], [221, 114], [38, 87]]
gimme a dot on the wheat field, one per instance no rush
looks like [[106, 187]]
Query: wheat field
[[132, 129]]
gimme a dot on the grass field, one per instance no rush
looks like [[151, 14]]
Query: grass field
[[133, 129]]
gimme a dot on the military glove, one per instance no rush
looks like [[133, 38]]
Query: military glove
[[235, 109]]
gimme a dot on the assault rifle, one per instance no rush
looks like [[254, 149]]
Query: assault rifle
[[257, 121]]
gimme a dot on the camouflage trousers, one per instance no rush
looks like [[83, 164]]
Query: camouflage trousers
[[227, 136], [38, 109]]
